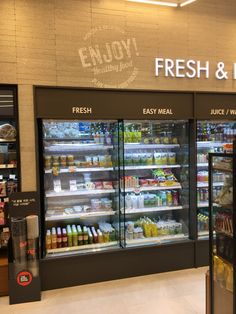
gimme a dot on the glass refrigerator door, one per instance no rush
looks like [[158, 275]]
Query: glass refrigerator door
[[81, 186], [156, 181], [222, 246], [211, 137]]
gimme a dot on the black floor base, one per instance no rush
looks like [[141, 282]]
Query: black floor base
[[202, 253], [83, 269]]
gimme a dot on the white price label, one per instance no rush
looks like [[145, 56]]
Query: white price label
[[73, 185]]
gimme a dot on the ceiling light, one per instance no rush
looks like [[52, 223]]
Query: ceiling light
[[169, 4], [186, 3]]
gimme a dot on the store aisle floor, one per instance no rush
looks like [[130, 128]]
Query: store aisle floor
[[180, 292]]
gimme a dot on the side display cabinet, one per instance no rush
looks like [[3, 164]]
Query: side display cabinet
[[9, 171], [222, 236]]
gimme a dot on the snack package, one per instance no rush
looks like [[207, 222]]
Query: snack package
[[11, 186], [7, 131], [107, 185], [98, 185], [2, 214], [2, 188]]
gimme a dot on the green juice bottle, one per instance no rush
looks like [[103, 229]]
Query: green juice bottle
[[74, 236], [80, 235], [85, 235], [69, 235], [90, 236]]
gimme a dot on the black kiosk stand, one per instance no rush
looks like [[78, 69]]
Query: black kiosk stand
[[24, 278]]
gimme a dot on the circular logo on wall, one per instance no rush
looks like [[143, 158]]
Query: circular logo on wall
[[110, 56], [24, 278]]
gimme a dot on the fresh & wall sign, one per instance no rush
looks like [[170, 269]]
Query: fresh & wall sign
[[181, 68], [110, 56]]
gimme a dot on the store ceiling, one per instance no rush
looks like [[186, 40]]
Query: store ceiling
[[169, 3]]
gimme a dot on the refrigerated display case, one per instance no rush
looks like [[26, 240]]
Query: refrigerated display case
[[9, 170], [215, 130], [222, 235], [81, 186], [212, 137], [156, 181], [115, 183]]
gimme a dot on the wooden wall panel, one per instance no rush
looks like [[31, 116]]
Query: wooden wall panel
[[39, 43]]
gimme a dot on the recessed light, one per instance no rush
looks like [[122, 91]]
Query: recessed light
[[164, 3], [172, 3]]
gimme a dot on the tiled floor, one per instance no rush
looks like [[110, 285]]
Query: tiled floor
[[181, 292]]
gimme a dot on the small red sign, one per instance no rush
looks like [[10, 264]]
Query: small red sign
[[24, 278]]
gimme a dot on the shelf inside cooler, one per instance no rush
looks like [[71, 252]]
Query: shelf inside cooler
[[202, 164], [217, 168], [156, 240], [230, 235], [7, 140], [95, 247], [7, 166], [210, 144], [203, 234], [206, 204], [79, 192], [69, 170], [145, 146], [151, 167], [206, 184], [64, 147], [153, 188], [79, 215], [151, 209]]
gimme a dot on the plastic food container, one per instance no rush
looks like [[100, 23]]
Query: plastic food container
[[96, 204], [108, 204]]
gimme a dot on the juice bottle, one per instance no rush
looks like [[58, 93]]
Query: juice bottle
[[95, 235], [64, 238], [69, 236], [90, 236], [80, 235], [48, 240], [54, 238], [74, 236], [100, 236], [85, 235], [59, 238]]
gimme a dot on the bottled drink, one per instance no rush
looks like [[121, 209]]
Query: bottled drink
[[175, 197], [64, 238], [69, 235], [85, 235], [59, 238], [100, 236], [141, 201], [90, 236], [80, 236], [48, 240], [95, 235], [54, 238], [168, 198], [74, 236]]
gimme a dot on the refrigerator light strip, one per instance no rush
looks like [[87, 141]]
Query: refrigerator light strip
[[80, 215], [79, 192], [151, 209]]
